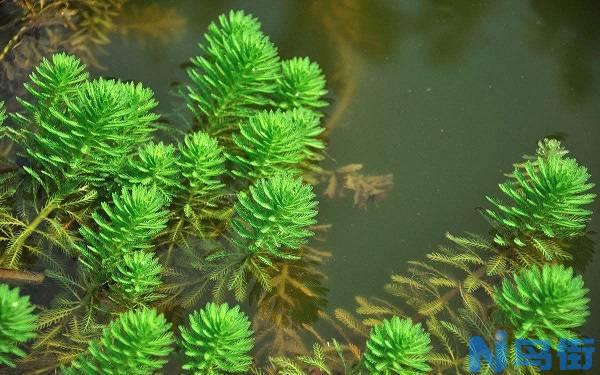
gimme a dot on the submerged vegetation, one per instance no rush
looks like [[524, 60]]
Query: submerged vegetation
[[138, 234]]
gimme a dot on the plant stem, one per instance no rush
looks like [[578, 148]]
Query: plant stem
[[13, 42], [11, 257], [27, 277]]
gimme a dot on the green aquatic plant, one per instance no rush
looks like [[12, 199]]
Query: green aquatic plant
[[131, 222], [270, 143], [136, 279], [546, 199], [111, 267], [2, 113], [287, 366], [197, 209], [309, 124], [397, 346], [236, 73], [274, 215], [270, 222], [300, 85], [218, 340], [155, 164], [544, 302], [202, 164], [86, 142], [137, 342], [75, 136], [54, 81], [17, 324]]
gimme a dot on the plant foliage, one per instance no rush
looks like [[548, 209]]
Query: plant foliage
[[274, 215], [155, 164], [300, 85], [546, 200], [397, 346], [135, 217], [17, 324], [237, 73], [137, 342], [270, 143], [217, 340], [85, 131], [136, 279], [544, 302]]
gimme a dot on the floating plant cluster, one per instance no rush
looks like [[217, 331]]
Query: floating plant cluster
[[132, 230]]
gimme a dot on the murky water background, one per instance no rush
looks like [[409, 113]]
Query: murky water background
[[445, 95]]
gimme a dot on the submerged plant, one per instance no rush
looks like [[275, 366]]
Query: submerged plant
[[75, 136], [544, 302], [86, 137], [301, 85], [155, 164], [17, 324], [455, 287], [274, 215], [237, 73], [136, 279], [134, 219], [397, 346], [546, 202], [270, 143], [218, 340], [137, 342]]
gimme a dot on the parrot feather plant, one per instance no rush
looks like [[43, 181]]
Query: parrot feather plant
[[126, 209], [73, 135]]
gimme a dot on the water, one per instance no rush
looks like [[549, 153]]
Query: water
[[445, 95]]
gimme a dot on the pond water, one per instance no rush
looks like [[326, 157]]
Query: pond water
[[445, 95]]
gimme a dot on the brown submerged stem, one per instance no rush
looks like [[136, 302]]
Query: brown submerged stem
[[13, 42], [25, 277], [11, 256]]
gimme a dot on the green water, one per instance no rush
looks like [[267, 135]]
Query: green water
[[443, 94]]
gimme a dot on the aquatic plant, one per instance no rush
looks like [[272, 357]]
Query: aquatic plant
[[136, 279], [543, 302], [137, 342], [197, 209], [287, 366], [2, 113], [300, 85], [274, 215], [39, 29], [237, 73], [270, 143], [104, 121], [17, 324], [397, 346], [154, 164], [75, 136], [201, 164], [217, 340], [134, 219], [547, 198], [454, 288]]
